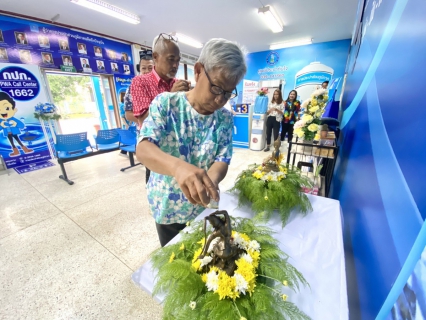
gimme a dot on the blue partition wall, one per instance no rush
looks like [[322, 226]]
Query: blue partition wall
[[380, 177]]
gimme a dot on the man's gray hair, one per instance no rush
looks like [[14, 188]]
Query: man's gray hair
[[160, 45], [226, 56]]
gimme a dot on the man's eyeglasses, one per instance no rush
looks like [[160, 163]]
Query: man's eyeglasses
[[165, 36], [218, 90]]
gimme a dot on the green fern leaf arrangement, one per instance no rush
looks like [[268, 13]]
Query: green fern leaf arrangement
[[187, 295], [270, 191]]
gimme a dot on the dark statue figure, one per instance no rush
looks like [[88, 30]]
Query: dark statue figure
[[225, 252], [271, 163]]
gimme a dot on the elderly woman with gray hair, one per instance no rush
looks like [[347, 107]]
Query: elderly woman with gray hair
[[186, 141]]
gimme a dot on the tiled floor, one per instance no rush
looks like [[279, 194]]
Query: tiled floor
[[68, 252]]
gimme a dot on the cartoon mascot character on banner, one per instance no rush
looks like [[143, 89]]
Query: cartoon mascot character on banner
[[10, 125]]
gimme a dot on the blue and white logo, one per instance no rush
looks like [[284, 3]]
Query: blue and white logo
[[19, 83], [272, 58]]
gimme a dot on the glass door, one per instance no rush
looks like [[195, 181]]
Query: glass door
[[108, 101], [83, 101], [74, 97]]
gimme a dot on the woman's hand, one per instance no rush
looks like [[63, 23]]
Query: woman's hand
[[195, 184]]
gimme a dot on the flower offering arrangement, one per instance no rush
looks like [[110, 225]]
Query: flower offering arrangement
[[46, 111], [273, 186], [196, 286], [307, 127]]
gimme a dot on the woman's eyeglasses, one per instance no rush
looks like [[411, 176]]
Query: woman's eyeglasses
[[218, 90]]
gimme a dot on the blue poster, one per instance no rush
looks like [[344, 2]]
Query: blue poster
[[302, 68], [28, 42], [380, 173], [22, 140]]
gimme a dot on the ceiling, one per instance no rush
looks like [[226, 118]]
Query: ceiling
[[201, 19]]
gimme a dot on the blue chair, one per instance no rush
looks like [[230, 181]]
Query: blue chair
[[128, 140], [69, 147], [72, 145], [107, 139]]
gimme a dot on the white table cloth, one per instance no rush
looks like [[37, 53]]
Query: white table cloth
[[315, 246]]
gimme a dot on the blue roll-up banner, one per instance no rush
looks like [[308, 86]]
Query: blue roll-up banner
[[49, 46], [22, 140]]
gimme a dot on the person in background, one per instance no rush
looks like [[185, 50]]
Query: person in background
[[145, 66], [187, 139], [275, 117], [145, 88], [291, 115], [324, 85]]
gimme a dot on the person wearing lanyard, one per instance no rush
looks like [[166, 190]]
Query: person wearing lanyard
[[291, 115], [146, 87], [187, 139], [275, 116]]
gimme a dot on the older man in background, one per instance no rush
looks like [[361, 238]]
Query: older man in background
[[187, 139], [146, 87]]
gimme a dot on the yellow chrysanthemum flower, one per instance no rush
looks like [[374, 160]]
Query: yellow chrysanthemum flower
[[245, 269], [204, 277], [182, 247], [285, 282], [283, 169], [284, 297], [245, 237], [255, 255], [202, 242], [258, 174], [197, 254], [172, 257], [251, 286], [196, 264], [259, 168], [266, 198], [226, 286]]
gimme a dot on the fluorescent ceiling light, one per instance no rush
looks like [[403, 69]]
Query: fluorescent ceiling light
[[292, 43], [109, 9], [187, 40], [271, 18]]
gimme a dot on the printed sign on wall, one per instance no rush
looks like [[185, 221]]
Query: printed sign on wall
[[250, 88], [302, 68], [22, 140], [28, 42]]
